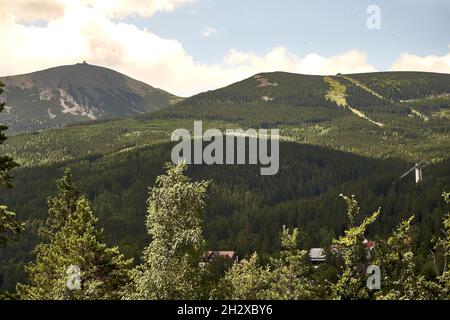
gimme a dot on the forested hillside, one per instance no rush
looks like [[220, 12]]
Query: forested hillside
[[349, 134]]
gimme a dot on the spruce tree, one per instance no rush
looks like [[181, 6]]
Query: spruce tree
[[9, 226], [61, 206], [72, 262], [170, 264]]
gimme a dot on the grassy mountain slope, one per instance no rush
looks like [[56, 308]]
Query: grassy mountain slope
[[76, 93]]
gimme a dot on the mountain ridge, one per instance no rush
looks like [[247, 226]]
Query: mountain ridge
[[68, 94], [263, 82], [71, 94]]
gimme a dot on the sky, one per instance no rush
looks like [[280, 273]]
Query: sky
[[190, 46]]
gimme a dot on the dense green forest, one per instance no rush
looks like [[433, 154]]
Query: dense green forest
[[326, 150], [170, 267], [244, 213]]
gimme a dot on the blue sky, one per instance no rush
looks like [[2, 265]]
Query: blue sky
[[189, 46], [324, 27]]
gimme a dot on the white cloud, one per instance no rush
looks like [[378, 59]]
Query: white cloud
[[409, 62], [281, 60], [123, 8], [209, 31], [85, 30], [33, 10]]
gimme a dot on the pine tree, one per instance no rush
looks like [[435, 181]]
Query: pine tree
[[72, 262], [170, 264], [9, 226]]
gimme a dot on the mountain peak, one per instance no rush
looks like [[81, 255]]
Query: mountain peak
[[75, 93]]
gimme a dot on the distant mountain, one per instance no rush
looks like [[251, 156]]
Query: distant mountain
[[312, 90], [377, 98], [75, 93]]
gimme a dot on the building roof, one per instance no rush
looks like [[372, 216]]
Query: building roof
[[224, 254], [317, 254], [370, 244]]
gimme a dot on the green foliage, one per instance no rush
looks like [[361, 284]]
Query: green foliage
[[170, 267], [337, 92], [351, 284], [443, 244], [406, 85], [291, 274], [287, 277], [9, 227], [170, 264], [60, 207], [395, 256], [71, 238], [244, 281], [325, 150], [6, 162], [283, 88], [245, 212]]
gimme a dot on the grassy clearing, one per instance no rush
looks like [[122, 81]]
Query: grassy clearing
[[337, 92]]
